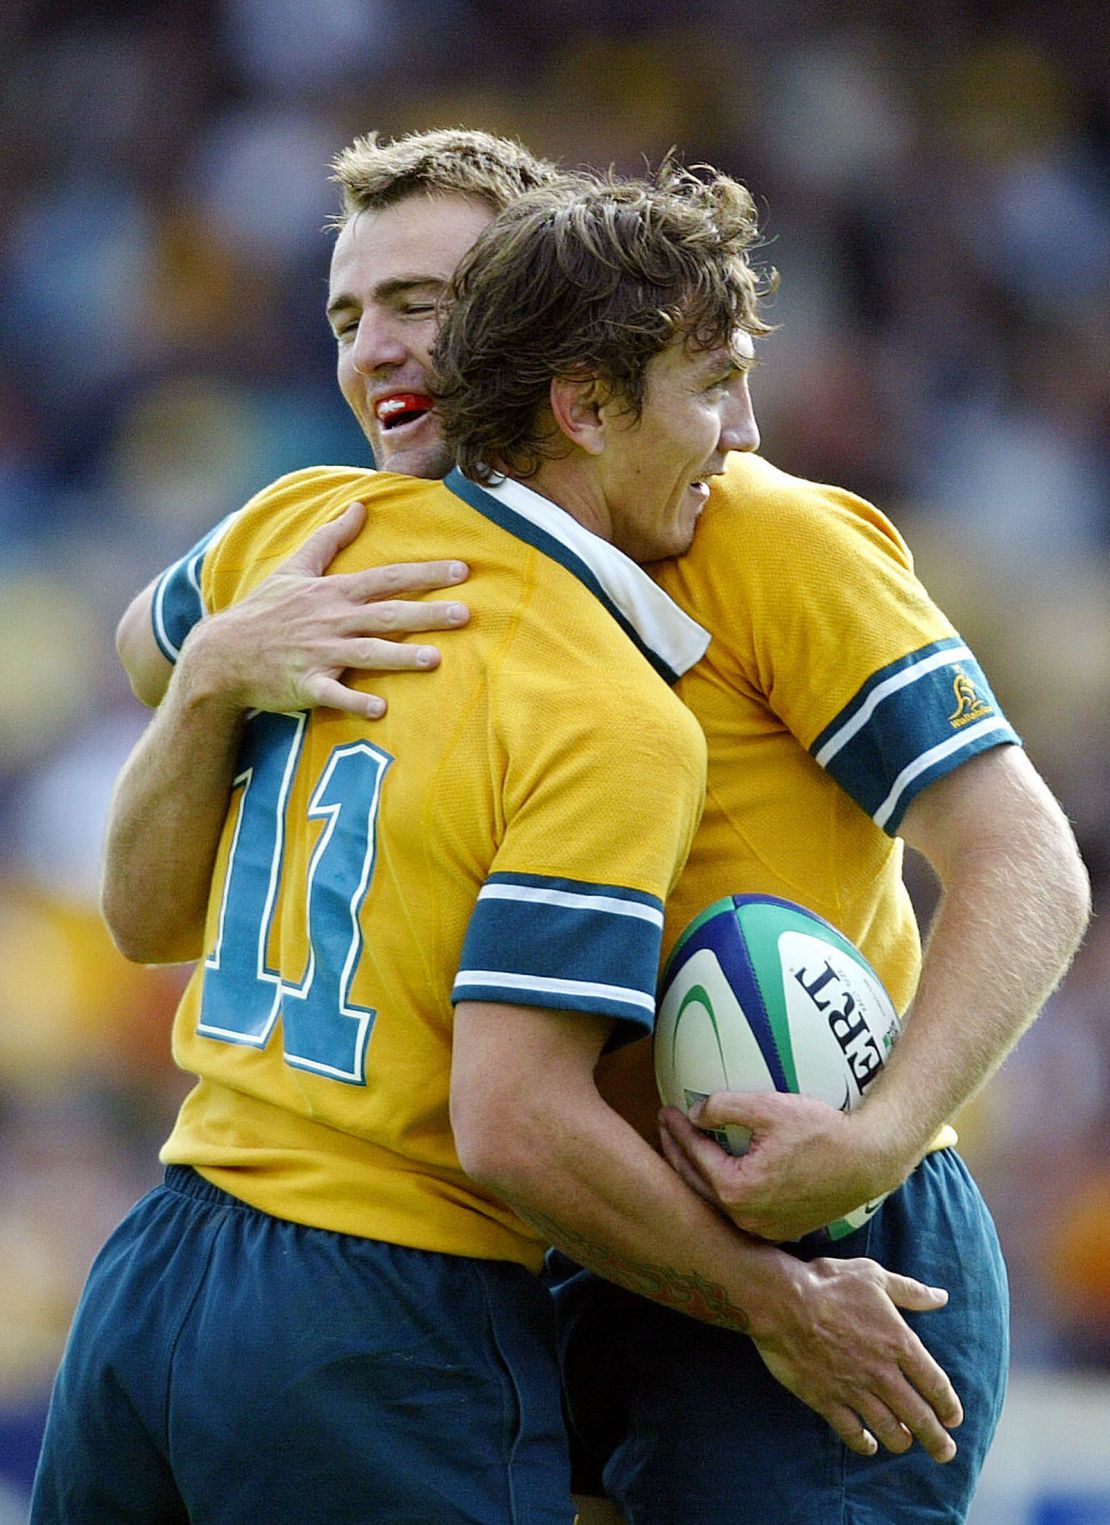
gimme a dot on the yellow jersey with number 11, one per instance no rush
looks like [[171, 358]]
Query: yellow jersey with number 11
[[508, 832]]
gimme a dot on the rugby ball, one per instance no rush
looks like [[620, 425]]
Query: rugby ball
[[760, 994]]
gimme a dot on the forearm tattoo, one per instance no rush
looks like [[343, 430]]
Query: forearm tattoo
[[687, 1292]]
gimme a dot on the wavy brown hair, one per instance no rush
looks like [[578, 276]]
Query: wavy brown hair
[[589, 277], [372, 174]]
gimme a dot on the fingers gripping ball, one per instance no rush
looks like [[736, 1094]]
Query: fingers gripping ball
[[761, 994]]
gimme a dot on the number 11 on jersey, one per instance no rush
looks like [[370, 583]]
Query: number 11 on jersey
[[324, 1030]]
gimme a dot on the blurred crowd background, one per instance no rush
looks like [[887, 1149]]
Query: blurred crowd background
[[935, 192]]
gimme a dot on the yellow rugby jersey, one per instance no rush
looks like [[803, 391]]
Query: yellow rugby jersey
[[508, 832], [832, 692]]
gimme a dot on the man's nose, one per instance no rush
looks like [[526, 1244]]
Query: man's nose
[[378, 343], [741, 432]]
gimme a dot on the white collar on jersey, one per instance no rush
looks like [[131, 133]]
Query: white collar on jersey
[[668, 631]]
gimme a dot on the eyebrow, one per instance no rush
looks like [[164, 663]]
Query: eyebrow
[[724, 359], [386, 291]]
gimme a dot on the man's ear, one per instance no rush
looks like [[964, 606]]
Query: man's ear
[[576, 405]]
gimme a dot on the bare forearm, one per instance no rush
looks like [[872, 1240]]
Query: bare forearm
[[1003, 936], [1014, 905], [571, 1166], [530, 1124], [605, 1198], [165, 822]]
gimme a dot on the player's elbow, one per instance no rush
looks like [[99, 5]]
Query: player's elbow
[[141, 948], [494, 1144], [148, 671], [1057, 867], [143, 940], [1075, 891], [138, 947]]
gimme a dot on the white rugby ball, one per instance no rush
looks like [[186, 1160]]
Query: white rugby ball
[[760, 994]]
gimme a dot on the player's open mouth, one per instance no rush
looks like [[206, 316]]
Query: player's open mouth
[[401, 408], [701, 489]]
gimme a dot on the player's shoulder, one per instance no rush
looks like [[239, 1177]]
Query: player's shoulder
[[274, 522], [759, 505], [277, 511], [614, 639], [590, 666], [325, 489]]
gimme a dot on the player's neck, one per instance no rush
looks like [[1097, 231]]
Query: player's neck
[[571, 485]]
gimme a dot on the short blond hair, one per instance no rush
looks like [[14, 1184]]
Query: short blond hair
[[372, 174]]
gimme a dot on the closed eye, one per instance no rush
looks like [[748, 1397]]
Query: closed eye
[[722, 383], [740, 371]]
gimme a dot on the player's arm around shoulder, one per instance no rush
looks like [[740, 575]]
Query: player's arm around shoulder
[[282, 640], [155, 623], [287, 645]]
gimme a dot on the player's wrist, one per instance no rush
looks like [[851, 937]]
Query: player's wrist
[[208, 678], [779, 1295], [890, 1137]]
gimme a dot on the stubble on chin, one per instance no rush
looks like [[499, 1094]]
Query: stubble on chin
[[429, 462]]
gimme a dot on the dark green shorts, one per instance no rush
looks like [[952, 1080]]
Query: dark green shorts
[[226, 1367], [682, 1423]]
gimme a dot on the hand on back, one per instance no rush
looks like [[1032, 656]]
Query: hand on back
[[292, 642]]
